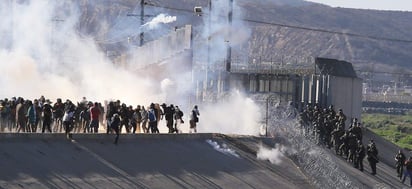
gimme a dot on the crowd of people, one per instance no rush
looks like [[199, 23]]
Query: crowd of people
[[41, 115], [327, 127]]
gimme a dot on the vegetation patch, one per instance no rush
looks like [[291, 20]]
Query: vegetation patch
[[395, 128]]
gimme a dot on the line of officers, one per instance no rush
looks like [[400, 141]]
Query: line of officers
[[327, 128]]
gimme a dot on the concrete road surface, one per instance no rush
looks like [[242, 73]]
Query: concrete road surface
[[138, 161], [174, 161]]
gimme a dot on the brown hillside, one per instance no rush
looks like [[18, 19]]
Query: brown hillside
[[371, 45]]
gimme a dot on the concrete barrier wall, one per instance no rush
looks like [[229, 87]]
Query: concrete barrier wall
[[346, 94], [161, 49]]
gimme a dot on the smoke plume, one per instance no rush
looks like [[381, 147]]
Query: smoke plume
[[159, 19], [274, 155], [236, 114], [44, 53], [46, 56]]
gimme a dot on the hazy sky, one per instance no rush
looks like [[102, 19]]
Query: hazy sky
[[403, 5]]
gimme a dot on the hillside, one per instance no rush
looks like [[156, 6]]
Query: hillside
[[271, 41], [359, 50]]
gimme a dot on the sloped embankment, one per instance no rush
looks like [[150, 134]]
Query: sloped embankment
[[139, 161]]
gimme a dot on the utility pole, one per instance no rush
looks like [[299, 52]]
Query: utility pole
[[229, 48], [141, 15], [228, 59], [142, 3], [206, 80]]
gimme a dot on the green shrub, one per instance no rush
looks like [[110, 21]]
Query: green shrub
[[395, 128]]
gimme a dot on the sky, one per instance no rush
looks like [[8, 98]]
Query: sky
[[399, 5]]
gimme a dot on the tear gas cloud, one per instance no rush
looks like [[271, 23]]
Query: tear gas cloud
[[46, 56], [235, 115], [222, 148], [274, 155], [219, 34]]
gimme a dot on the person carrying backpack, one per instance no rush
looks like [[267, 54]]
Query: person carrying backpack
[[143, 114], [152, 119], [115, 126], [178, 116], [168, 114], [68, 118], [194, 119]]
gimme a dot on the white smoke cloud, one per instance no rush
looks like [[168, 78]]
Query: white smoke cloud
[[235, 115], [219, 33], [47, 57], [222, 148], [167, 84], [159, 19], [43, 54], [274, 155]]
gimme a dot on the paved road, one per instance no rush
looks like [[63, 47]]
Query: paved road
[[173, 161], [138, 161]]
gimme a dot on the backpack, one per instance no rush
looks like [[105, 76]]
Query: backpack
[[152, 116], [47, 110]]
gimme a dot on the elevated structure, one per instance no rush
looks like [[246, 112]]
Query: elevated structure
[[324, 82]]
